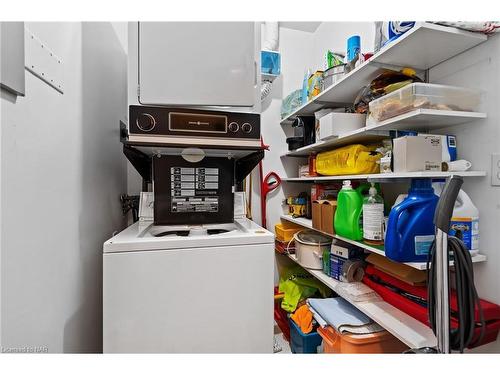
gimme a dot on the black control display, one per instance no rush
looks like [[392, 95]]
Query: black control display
[[149, 120], [197, 122]]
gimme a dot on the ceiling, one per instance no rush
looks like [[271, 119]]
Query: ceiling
[[301, 26]]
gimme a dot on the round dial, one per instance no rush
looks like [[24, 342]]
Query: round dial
[[145, 122], [246, 127], [234, 127]]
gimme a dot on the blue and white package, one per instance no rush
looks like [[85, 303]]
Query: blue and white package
[[397, 28], [466, 228], [452, 146]]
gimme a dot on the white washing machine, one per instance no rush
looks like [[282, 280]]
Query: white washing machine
[[182, 289]]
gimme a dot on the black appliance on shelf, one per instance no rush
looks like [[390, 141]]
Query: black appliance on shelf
[[303, 132]]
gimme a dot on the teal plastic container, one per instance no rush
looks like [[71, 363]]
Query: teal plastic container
[[410, 228]]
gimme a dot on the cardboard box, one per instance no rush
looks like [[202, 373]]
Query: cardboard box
[[345, 250], [324, 191], [323, 211], [328, 208], [316, 214], [417, 153], [400, 271], [336, 264]]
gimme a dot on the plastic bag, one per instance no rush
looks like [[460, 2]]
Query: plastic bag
[[353, 159], [297, 284], [291, 103]]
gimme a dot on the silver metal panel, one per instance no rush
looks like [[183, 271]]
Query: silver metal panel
[[12, 57], [197, 63]]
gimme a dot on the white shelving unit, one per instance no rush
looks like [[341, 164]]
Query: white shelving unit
[[421, 48], [407, 329], [307, 223], [418, 120], [425, 120], [385, 176]]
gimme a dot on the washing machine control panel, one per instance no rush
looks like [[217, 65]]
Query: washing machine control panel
[[182, 122]]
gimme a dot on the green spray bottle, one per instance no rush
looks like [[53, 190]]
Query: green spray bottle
[[348, 218]]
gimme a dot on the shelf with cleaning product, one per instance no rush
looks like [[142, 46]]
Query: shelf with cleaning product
[[411, 49], [307, 223], [385, 176], [417, 120], [407, 329]]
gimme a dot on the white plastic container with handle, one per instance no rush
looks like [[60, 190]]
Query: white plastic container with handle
[[465, 219]]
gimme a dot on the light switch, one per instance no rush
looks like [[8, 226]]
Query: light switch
[[495, 169]]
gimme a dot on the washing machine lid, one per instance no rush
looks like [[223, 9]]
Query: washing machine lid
[[144, 236]]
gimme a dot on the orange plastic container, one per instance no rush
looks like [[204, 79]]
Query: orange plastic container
[[372, 343]]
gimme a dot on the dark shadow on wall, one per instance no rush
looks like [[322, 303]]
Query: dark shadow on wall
[[104, 175]]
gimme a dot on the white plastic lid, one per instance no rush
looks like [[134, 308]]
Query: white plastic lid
[[346, 184]]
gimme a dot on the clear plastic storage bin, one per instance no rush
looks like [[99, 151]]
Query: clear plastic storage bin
[[424, 95]]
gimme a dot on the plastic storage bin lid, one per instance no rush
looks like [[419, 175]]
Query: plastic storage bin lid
[[309, 237]]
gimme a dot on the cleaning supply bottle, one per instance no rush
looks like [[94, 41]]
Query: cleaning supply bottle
[[373, 217], [464, 220], [348, 215], [410, 228]]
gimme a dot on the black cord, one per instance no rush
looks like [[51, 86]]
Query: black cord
[[467, 297]]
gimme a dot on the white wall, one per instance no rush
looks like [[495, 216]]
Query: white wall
[[296, 51], [299, 51], [333, 36], [61, 175], [477, 140]]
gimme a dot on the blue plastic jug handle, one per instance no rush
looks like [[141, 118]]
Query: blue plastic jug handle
[[398, 211]]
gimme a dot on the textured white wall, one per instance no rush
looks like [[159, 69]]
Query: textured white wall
[[61, 175], [296, 51], [333, 36], [479, 68], [299, 51]]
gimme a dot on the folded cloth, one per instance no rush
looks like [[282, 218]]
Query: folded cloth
[[361, 330], [303, 318], [337, 312], [317, 317]]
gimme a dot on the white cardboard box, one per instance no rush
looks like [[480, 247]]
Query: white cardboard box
[[335, 124], [417, 153]]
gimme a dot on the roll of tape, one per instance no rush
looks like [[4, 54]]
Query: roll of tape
[[353, 270]]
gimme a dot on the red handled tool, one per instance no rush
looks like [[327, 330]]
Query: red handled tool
[[267, 184]]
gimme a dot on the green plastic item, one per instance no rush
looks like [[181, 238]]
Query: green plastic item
[[348, 220], [297, 285]]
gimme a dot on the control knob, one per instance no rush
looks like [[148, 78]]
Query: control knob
[[145, 122], [234, 127], [246, 127]]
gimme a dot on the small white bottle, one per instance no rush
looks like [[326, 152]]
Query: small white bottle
[[373, 218]]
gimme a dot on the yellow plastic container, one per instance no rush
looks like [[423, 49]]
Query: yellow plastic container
[[353, 159], [285, 231]]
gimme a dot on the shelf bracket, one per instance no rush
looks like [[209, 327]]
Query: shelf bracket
[[245, 165]]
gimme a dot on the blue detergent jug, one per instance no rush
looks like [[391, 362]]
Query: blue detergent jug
[[410, 228]]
